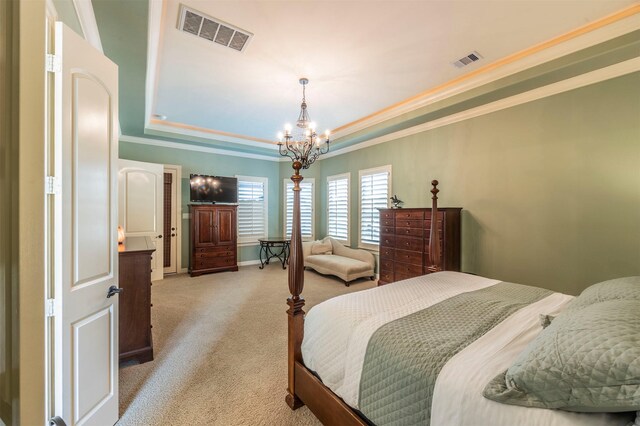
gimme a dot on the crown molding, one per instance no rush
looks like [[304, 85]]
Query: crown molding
[[154, 41], [87, 18], [596, 32], [604, 29], [181, 130], [612, 71], [51, 9], [197, 148]]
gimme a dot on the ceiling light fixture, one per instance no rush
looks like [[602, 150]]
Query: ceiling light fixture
[[305, 146]]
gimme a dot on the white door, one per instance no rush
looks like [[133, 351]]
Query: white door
[[85, 251], [140, 206], [171, 222]]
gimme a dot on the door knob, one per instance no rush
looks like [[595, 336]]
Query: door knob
[[57, 421], [173, 235], [113, 290], [159, 236]]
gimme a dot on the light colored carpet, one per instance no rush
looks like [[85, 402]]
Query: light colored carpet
[[220, 346]]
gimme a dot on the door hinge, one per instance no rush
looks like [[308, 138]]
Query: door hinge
[[52, 185], [51, 308], [53, 63]]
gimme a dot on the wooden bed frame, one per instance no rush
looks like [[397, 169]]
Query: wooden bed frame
[[304, 387]]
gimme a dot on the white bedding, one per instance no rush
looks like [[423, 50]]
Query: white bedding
[[337, 332]]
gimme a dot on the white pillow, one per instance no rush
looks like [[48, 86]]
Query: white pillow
[[321, 247]]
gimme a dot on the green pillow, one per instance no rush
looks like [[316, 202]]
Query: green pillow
[[587, 359], [619, 288]]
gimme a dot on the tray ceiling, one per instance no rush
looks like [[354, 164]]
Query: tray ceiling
[[360, 56]]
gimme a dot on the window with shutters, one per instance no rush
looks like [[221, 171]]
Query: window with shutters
[[374, 192], [338, 207], [253, 209], [306, 208]]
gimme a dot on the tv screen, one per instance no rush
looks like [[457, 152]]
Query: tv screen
[[214, 189]]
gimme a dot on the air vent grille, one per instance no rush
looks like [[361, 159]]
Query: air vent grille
[[212, 29], [470, 58], [209, 29]]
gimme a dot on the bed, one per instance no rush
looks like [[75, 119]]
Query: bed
[[353, 359]]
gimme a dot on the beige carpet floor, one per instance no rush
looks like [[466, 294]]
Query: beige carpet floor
[[220, 350]]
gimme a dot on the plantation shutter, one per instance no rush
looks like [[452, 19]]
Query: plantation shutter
[[338, 208], [251, 210], [306, 210], [374, 194]]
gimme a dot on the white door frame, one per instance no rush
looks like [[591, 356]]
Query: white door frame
[[177, 208]]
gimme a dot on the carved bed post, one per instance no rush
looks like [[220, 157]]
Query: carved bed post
[[434, 233], [295, 314]]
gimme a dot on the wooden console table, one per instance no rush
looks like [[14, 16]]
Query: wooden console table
[[134, 274]]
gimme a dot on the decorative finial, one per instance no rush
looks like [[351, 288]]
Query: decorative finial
[[435, 189]]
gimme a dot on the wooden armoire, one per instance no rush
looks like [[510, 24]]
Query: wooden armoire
[[213, 238], [404, 242]]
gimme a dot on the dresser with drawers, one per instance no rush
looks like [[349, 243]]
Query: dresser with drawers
[[404, 242], [134, 278], [213, 238]]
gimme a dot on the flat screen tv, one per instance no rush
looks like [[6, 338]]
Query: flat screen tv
[[213, 189]]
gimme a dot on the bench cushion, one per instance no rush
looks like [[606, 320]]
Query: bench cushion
[[344, 267]]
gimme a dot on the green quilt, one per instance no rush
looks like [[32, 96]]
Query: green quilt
[[405, 356]]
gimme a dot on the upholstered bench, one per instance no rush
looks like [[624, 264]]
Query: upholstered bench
[[329, 257]]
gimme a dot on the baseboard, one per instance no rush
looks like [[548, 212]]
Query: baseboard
[[245, 263]]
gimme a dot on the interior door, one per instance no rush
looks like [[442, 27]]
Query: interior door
[[140, 212], [85, 254], [170, 221]]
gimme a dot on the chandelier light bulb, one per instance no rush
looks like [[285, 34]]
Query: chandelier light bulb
[[306, 146], [327, 133]]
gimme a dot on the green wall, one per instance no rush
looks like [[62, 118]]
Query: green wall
[[214, 164], [123, 32], [550, 189]]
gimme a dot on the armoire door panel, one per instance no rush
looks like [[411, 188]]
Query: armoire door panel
[[226, 228], [204, 222]]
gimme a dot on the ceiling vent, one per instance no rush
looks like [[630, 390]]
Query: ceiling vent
[[470, 58], [197, 23]]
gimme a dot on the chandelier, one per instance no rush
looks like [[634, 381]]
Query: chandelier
[[305, 145]]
